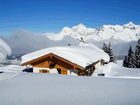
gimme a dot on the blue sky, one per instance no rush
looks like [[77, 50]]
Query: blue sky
[[51, 15]]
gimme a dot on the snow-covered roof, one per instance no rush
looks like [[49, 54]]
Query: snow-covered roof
[[80, 55]]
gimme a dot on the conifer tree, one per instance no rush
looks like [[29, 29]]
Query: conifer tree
[[104, 47], [137, 54], [131, 59], [125, 62], [109, 51]]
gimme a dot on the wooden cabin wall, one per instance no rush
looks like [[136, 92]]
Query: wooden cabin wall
[[59, 64], [44, 64]]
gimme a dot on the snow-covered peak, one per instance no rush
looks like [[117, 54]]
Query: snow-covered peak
[[79, 27], [130, 25]]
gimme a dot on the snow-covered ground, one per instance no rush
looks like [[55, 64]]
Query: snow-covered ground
[[47, 89], [120, 86], [116, 70]]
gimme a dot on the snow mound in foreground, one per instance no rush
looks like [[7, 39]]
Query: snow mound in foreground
[[45, 89], [5, 50]]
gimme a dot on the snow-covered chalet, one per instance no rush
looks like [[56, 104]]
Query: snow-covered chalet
[[78, 60]]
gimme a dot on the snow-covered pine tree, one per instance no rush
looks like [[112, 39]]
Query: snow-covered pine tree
[[137, 54], [125, 62], [104, 47], [131, 59], [109, 51]]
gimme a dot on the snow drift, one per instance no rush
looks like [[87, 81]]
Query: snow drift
[[4, 50]]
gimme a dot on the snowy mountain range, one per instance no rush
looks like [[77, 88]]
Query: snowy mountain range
[[121, 37], [126, 32]]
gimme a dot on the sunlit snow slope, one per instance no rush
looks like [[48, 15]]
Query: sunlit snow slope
[[4, 50]]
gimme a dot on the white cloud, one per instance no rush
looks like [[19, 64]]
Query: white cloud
[[23, 41]]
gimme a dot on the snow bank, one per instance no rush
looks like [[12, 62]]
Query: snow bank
[[4, 50], [46, 89], [80, 55], [116, 70]]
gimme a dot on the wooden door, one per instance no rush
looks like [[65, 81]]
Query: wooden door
[[64, 72]]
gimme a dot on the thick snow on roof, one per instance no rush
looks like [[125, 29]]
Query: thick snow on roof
[[80, 55]]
